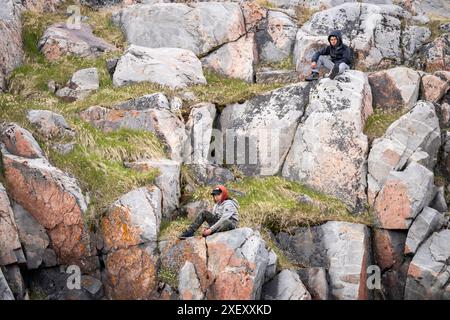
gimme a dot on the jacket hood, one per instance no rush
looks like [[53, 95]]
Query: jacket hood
[[338, 35]]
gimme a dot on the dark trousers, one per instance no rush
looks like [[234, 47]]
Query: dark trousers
[[211, 220]]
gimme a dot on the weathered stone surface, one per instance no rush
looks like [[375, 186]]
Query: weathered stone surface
[[276, 37], [271, 269], [19, 141], [34, 239], [286, 286], [403, 196], [427, 222], [341, 247], [189, 285], [82, 83], [437, 53], [192, 209], [198, 27], [395, 88], [49, 124], [439, 203], [413, 37], [172, 67], [199, 128], [235, 59], [69, 39], [56, 202], [11, 55], [305, 47], [10, 247], [15, 280], [229, 265], [268, 75], [5, 291], [388, 248], [329, 148], [149, 115], [210, 174], [168, 181], [429, 271], [434, 88], [418, 130], [315, 280], [268, 122], [130, 231]]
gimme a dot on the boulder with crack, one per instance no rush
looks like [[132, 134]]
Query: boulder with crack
[[11, 55], [403, 196], [235, 59], [260, 130], [197, 27], [429, 271], [130, 230], [170, 67], [229, 265], [54, 199], [343, 248], [329, 149], [414, 137]]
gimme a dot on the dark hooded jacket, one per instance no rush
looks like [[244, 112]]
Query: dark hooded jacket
[[338, 54]]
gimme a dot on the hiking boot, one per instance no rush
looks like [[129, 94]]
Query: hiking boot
[[313, 76], [186, 234], [334, 72]]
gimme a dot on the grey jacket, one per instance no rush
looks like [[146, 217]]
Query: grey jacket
[[225, 211]]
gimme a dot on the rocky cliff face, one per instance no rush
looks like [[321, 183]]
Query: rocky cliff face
[[113, 131]]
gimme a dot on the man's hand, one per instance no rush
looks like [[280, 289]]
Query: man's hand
[[206, 232], [313, 65]]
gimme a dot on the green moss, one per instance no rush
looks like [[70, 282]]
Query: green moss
[[286, 64], [169, 276], [379, 121], [223, 91]]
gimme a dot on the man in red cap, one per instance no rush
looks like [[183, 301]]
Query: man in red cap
[[224, 216]]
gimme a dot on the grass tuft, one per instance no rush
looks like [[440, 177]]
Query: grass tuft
[[379, 121]]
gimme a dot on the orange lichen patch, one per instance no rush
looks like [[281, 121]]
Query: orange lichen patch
[[393, 206], [131, 274], [390, 157], [414, 271], [117, 229], [52, 206], [18, 145]]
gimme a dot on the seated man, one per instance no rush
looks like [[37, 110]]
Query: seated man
[[336, 57], [224, 216]]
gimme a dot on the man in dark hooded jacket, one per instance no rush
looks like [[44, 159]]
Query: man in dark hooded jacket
[[223, 217], [336, 57]]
